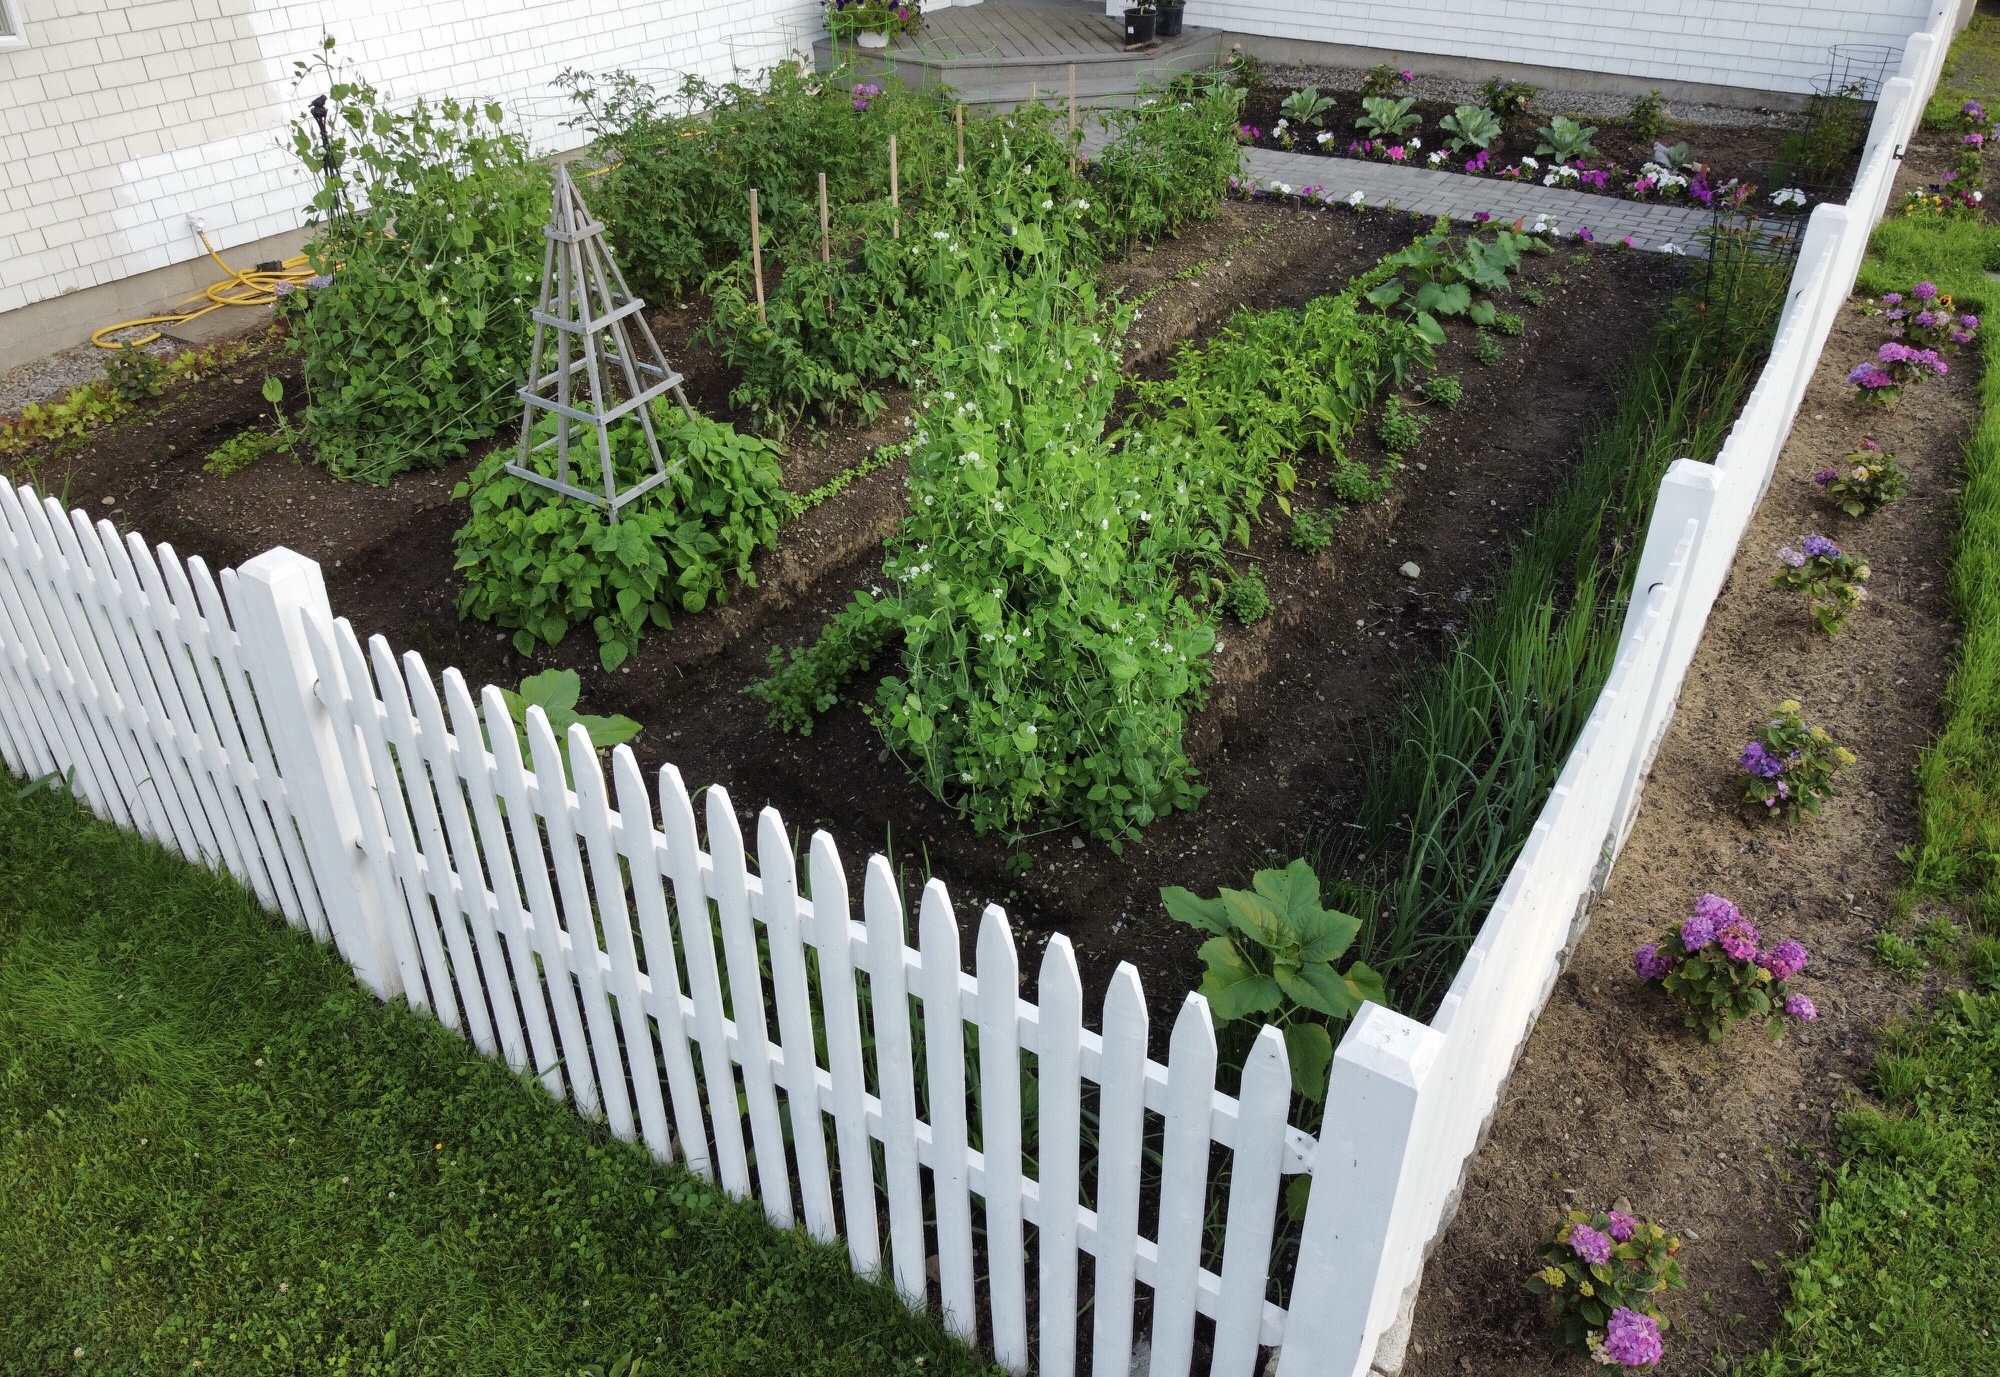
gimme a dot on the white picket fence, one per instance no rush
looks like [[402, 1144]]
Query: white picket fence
[[600, 949]]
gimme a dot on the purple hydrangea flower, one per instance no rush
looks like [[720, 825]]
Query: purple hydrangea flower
[[1711, 911], [1969, 322], [1801, 1008], [1825, 476], [1784, 961], [1871, 446], [1927, 320], [1650, 964], [1590, 1245], [1960, 337], [1923, 291], [1632, 1339], [1791, 558], [1623, 1226], [1974, 109], [1758, 760], [1738, 939], [1892, 298], [1819, 547], [1870, 375]]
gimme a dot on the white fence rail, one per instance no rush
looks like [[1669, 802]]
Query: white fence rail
[[563, 926]]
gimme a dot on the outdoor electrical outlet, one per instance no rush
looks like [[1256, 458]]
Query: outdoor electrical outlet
[[198, 223]]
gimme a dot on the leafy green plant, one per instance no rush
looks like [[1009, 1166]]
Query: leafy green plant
[[84, 409], [1488, 351], [1508, 99], [135, 374], [246, 447], [1565, 140], [807, 682], [1596, 1266], [1791, 764], [555, 692], [427, 233], [1471, 126], [1247, 598], [1530, 296], [1646, 118], [1508, 323], [1271, 952], [1400, 428], [541, 563], [1444, 390], [799, 504], [1383, 80], [1870, 480], [1306, 107], [1447, 274], [1831, 580], [1384, 117], [1312, 531]]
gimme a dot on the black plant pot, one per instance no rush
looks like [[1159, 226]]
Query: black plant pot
[[1169, 17], [1138, 28]]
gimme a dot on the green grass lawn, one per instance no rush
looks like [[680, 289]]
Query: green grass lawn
[[218, 1154]]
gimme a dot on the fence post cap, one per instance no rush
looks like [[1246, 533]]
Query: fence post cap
[[275, 564], [1693, 473], [1387, 1044]]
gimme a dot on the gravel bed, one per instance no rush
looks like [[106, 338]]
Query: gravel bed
[[49, 378]]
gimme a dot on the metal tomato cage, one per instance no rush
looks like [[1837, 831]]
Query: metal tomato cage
[[599, 332]]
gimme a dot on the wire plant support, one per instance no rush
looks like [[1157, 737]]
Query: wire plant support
[[600, 331]]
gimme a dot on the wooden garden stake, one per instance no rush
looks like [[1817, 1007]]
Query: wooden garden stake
[[895, 211], [825, 242], [961, 138], [1072, 119], [757, 256], [1034, 93]]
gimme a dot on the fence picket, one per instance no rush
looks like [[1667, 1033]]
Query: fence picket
[[172, 645], [338, 673], [25, 674], [105, 634], [1183, 1187], [704, 981], [944, 1058], [477, 767], [545, 932], [607, 874], [1000, 1136], [779, 905], [475, 903], [263, 791], [1121, 1126], [895, 1075], [639, 844], [1059, 1140], [1253, 1205], [833, 937], [51, 683], [453, 979], [575, 917], [746, 1004]]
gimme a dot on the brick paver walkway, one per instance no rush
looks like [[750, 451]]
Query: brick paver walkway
[[1461, 197]]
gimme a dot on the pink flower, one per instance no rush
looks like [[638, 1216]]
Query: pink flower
[[1622, 1226]]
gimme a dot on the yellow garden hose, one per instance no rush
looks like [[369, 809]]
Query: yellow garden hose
[[242, 287]]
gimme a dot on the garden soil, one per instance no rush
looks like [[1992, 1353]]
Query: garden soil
[[1293, 697], [1613, 1099]]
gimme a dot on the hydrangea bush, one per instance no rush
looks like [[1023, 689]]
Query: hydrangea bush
[[1603, 1274], [1713, 964], [1830, 578], [1895, 366], [1926, 317], [1791, 764], [1868, 480]]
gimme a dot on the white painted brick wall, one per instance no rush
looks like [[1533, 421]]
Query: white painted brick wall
[[1766, 45], [123, 117]]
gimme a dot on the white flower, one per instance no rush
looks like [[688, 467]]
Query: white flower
[[1670, 248], [1048, 205], [1283, 188], [1413, 143], [1357, 198], [1029, 729], [1436, 158], [1325, 136], [1530, 164]]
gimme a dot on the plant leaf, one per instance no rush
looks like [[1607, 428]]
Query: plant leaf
[[1309, 1047], [1184, 906]]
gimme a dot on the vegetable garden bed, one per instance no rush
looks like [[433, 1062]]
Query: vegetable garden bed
[[1294, 698]]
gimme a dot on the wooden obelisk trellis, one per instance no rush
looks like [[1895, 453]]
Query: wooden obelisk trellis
[[600, 338]]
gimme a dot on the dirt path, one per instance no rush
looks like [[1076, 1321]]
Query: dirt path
[[1613, 1097]]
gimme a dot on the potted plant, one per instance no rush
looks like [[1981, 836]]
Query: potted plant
[[871, 23], [1167, 23], [1139, 25]]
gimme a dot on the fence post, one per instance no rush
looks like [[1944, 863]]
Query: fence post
[[276, 591], [1350, 1248]]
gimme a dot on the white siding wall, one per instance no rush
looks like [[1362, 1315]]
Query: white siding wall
[[1765, 45], [121, 118]]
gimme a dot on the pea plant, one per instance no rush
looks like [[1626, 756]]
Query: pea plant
[[1270, 959], [427, 226]]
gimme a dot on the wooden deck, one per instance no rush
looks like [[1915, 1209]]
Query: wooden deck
[[998, 52]]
